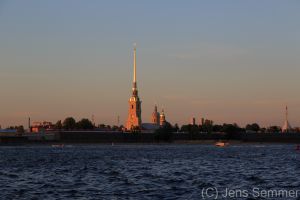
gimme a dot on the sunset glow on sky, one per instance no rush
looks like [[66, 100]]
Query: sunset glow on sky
[[228, 61]]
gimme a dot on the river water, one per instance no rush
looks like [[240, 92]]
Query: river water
[[148, 172]]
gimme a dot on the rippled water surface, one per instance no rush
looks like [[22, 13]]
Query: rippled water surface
[[143, 171]]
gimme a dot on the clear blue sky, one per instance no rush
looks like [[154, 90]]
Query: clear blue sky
[[229, 61]]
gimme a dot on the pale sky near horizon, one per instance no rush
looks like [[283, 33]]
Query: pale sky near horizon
[[229, 61]]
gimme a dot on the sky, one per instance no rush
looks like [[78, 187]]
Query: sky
[[228, 61]]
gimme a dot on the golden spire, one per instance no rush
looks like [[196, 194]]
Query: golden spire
[[134, 63]]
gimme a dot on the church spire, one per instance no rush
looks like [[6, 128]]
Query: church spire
[[134, 64], [286, 126], [134, 68], [134, 120]]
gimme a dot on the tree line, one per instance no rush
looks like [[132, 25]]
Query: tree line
[[231, 128], [84, 124], [207, 126]]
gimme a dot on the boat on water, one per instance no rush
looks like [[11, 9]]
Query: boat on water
[[221, 144]]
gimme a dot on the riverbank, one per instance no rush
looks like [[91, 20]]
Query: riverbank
[[90, 137]]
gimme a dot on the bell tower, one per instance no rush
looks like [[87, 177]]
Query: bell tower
[[162, 118], [134, 119], [155, 118]]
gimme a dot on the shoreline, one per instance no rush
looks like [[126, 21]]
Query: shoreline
[[184, 142], [89, 137]]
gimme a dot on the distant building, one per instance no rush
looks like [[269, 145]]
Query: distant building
[[193, 121], [134, 119], [8, 131], [154, 124], [157, 121], [202, 121], [206, 122], [162, 118], [149, 127], [155, 118], [286, 126], [41, 126]]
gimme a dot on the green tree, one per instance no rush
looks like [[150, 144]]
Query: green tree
[[115, 128], [274, 129], [186, 128], [102, 126], [58, 125], [69, 123], [85, 124], [176, 127], [253, 127], [230, 128], [194, 129], [189, 128], [217, 128]]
